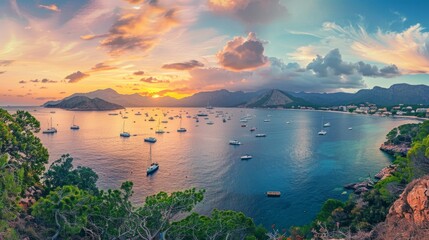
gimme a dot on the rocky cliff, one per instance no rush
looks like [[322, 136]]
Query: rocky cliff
[[408, 217]]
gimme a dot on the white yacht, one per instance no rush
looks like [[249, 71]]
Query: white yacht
[[246, 157], [50, 130], [328, 124], [322, 132], [234, 142], [260, 135]]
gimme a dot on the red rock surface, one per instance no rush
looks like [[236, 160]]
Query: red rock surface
[[408, 217]]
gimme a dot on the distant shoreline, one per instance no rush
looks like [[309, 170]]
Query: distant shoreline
[[294, 109]]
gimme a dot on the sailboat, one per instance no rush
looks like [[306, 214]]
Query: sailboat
[[209, 106], [123, 133], [181, 129], [153, 166], [322, 132], [159, 130], [150, 139], [50, 130], [74, 126]]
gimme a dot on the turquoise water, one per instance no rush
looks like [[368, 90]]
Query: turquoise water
[[293, 159]]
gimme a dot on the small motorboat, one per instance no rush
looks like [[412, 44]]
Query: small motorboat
[[181, 129], [125, 134], [234, 142], [261, 135], [246, 157]]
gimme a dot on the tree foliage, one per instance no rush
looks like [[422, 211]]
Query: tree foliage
[[220, 225], [61, 173], [25, 150]]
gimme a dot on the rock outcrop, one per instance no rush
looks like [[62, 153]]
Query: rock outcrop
[[408, 217], [392, 149], [360, 187], [386, 172]]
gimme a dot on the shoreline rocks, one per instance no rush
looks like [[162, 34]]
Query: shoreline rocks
[[401, 149], [360, 187], [386, 172]]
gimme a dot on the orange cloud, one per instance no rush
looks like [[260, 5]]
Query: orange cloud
[[139, 30], [52, 7], [76, 77], [243, 54], [102, 67]]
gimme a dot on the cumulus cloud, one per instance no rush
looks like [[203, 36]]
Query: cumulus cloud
[[5, 63], [333, 65], [153, 80], [102, 67], [22, 82], [183, 65], [408, 50], [76, 77], [250, 12], [243, 53], [52, 7], [324, 74], [139, 29], [2, 72], [139, 73]]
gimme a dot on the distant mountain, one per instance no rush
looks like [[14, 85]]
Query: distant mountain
[[82, 103], [396, 94], [275, 98], [127, 100], [219, 98]]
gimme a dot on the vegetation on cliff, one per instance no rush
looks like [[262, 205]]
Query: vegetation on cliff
[[355, 218]]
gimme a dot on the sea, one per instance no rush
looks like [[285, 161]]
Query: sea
[[305, 167]]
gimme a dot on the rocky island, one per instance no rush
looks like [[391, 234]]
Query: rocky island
[[82, 103]]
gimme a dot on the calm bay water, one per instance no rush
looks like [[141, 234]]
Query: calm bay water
[[293, 159]]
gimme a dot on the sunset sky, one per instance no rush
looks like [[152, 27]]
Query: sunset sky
[[50, 49]]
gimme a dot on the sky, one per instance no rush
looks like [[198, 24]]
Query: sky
[[50, 49]]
